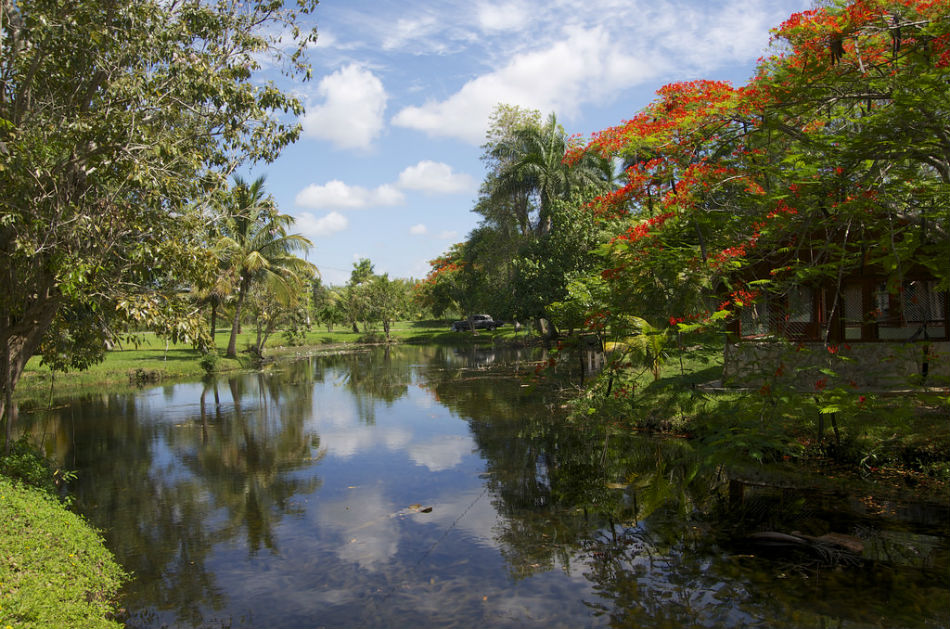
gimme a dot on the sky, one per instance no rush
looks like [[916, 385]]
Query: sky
[[389, 161]]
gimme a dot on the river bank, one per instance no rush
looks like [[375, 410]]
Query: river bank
[[154, 361], [56, 571]]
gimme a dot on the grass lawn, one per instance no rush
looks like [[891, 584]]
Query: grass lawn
[[152, 360]]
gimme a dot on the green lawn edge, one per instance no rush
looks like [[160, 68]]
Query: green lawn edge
[[55, 570], [152, 361]]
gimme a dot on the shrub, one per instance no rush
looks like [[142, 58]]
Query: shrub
[[209, 362], [26, 464], [56, 571]]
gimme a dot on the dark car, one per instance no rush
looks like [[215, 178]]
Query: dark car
[[479, 322]]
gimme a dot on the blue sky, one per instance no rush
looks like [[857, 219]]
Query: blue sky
[[388, 165]]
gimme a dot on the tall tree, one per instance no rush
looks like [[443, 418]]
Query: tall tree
[[115, 118], [259, 249], [834, 161], [532, 165]]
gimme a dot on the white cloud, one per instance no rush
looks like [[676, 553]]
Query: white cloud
[[336, 194], [352, 108], [430, 176], [506, 16], [313, 227], [584, 66], [363, 522], [442, 453], [406, 30], [418, 230], [563, 57], [426, 176]]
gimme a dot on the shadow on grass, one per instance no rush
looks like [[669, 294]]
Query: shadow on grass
[[173, 356], [699, 376], [432, 323]]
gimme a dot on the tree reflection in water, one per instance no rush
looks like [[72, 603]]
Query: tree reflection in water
[[230, 507], [191, 480], [643, 518]]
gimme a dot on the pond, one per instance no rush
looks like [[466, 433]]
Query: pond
[[443, 487]]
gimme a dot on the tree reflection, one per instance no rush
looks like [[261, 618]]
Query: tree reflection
[[223, 471], [635, 513], [150, 517], [246, 459], [180, 477], [373, 376]]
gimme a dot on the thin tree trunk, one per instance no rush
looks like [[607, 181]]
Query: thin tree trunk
[[236, 321], [214, 320], [7, 403]]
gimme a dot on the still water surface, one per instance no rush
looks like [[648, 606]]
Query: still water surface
[[435, 487]]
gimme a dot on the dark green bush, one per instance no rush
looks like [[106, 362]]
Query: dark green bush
[[27, 464], [209, 361]]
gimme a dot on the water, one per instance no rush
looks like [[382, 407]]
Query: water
[[433, 487]]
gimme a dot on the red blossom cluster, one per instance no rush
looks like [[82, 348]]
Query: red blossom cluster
[[597, 321], [862, 32], [440, 266], [739, 298], [612, 274], [742, 249], [641, 231], [696, 316]]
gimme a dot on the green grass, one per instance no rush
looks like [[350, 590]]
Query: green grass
[[54, 569], [152, 362]]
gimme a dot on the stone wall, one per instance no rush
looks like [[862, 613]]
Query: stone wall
[[866, 366]]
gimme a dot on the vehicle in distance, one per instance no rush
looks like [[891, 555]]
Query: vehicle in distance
[[478, 322]]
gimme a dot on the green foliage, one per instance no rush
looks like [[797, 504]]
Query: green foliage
[[56, 572], [210, 361], [374, 300], [26, 464], [105, 168], [584, 294], [257, 249], [534, 236]]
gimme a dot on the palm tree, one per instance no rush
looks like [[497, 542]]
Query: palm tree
[[531, 164], [257, 248]]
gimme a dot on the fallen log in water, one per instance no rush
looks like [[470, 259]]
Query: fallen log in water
[[830, 549]]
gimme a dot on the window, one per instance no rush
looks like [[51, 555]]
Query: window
[[917, 311], [755, 318]]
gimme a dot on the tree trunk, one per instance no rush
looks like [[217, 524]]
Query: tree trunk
[[259, 344], [236, 321], [19, 340], [214, 320]]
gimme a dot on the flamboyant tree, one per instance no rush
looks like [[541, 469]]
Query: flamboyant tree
[[861, 100], [447, 287], [834, 156]]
